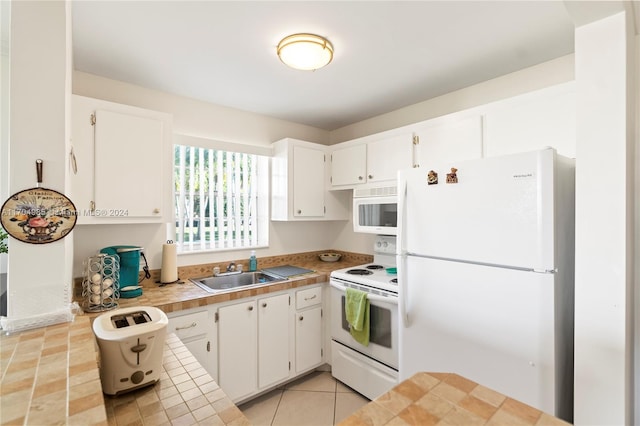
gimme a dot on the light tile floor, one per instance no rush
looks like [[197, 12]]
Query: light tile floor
[[316, 399]]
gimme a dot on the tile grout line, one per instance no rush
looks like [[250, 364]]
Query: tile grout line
[[275, 413], [35, 377], [335, 401]]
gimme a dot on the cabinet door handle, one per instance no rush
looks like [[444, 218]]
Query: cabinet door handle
[[209, 346], [264, 305], [310, 298], [299, 211], [193, 324], [156, 211], [301, 318], [360, 178], [250, 307], [370, 176]]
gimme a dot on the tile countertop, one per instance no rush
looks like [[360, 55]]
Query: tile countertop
[[50, 375], [185, 394], [446, 399], [177, 297]]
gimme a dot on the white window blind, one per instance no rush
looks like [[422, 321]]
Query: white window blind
[[220, 201]]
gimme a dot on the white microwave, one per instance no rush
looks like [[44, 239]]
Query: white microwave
[[375, 210]]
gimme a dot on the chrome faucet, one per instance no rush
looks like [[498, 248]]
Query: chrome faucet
[[231, 267]]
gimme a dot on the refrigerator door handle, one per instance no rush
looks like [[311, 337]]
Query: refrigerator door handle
[[402, 290], [401, 251], [402, 213]]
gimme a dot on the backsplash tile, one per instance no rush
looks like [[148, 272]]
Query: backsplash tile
[[206, 269]]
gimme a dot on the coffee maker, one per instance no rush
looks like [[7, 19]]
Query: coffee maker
[[129, 257]]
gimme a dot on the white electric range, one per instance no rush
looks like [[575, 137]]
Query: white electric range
[[372, 369]]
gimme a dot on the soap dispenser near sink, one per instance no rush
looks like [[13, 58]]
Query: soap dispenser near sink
[[253, 262]]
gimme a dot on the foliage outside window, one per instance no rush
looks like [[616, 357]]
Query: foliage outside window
[[220, 199], [4, 248]]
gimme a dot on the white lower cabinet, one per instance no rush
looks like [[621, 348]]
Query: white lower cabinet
[[308, 320], [196, 329], [273, 339], [308, 339], [264, 341], [238, 343]]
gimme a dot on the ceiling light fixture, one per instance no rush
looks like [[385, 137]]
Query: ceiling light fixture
[[307, 52]]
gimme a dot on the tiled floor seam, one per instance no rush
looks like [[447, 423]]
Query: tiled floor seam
[[275, 413], [335, 403], [35, 379]]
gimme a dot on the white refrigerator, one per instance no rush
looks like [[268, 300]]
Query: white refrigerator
[[486, 275]]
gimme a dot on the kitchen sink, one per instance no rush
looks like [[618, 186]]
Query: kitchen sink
[[226, 282]]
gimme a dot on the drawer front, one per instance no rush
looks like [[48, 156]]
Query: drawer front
[[189, 325], [308, 297]]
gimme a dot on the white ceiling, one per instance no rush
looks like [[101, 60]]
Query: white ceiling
[[388, 54]]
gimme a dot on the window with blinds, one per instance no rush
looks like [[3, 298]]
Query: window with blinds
[[220, 199]]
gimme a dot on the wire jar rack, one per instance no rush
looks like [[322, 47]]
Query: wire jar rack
[[101, 283]]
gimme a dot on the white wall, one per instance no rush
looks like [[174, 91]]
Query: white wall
[[5, 57], [39, 274], [197, 118], [636, 287], [543, 75], [604, 312]]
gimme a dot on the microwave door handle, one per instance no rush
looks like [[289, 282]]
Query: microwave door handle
[[371, 297]]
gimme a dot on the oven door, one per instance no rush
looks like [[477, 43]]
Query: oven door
[[383, 334]]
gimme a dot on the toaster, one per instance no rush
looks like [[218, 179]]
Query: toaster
[[131, 342]]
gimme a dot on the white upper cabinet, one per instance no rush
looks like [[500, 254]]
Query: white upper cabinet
[[386, 156], [122, 162], [448, 141], [299, 177], [123, 145], [533, 121], [349, 165], [370, 160], [308, 181]]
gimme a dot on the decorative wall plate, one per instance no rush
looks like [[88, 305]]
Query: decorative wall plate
[[38, 215]]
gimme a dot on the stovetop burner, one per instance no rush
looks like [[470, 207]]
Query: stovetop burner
[[372, 275], [359, 272]]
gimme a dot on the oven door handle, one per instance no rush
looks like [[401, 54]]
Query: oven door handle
[[371, 297]]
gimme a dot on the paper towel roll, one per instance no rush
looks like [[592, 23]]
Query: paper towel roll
[[169, 271]]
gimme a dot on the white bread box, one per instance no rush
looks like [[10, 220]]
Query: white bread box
[[131, 342]]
